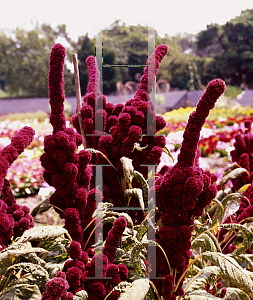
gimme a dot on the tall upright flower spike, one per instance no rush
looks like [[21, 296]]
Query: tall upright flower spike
[[56, 87], [65, 169], [183, 191], [14, 219], [94, 75]]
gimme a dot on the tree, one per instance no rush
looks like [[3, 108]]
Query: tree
[[86, 47], [233, 61], [24, 61]]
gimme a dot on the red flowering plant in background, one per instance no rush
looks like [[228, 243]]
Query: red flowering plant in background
[[14, 218]]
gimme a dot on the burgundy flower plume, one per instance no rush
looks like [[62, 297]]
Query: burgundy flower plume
[[94, 75], [55, 87], [183, 192], [69, 172], [14, 219], [196, 121]]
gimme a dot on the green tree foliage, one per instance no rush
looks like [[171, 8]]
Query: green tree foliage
[[230, 48], [85, 47], [24, 61]]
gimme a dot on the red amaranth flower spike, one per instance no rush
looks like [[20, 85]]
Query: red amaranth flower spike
[[55, 87], [94, 75], [196, 120]]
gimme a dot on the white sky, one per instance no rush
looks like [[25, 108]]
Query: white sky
[[89, 16]]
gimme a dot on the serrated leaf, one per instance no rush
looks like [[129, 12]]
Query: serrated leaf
[[236, 294], [21, 292], [13, 254], [232, 175], [200, 295], [231, 204], [42, 233], [135, 193], [137, 291], [231, 271], [144, 185], [81, 295], [248, 258]]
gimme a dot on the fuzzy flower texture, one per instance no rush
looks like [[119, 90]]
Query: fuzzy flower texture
[[123, 126], [14, 218], [69, 172], [183, 191]]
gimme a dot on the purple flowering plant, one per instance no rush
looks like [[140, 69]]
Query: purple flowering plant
[[201, 232]]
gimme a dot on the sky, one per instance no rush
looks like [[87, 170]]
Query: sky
[[83, 16]]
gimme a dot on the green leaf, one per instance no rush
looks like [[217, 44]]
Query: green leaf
[[200, 295], [128, 169], [81, 295], [135, 193], [236, 294], [144, 185], [248, 258], [42, 207], [232, 175], [15, 253], [203, 277], [143, 228], [248, 234], [247, 237], [129, 242], [21, 292], [244, 188], [231, 271], [137, 291], [34, 274], [42, 233], [231, 204], [204, 241]]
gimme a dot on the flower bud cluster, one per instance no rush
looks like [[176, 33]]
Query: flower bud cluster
[[243, 155], [183, 192], [14, 219], [123, 127], [93, 273], [57, 288]]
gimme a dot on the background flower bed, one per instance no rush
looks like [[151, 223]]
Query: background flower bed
[[217, 136]]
